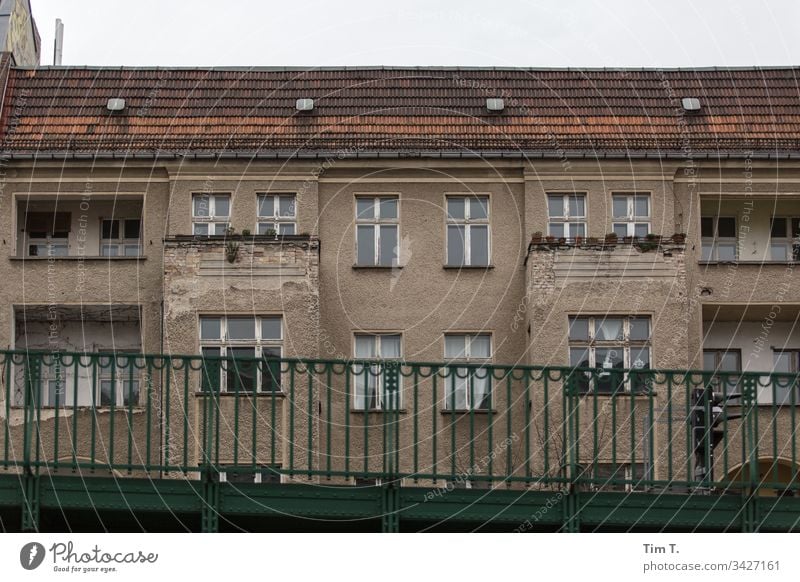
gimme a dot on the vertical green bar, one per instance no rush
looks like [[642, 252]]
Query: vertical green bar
[[217, 433], [367, 372], [415, 421], [254, 427], [328, 418], [309, 404], [347, 419], [94, 412], [149, 408], [509, 448], [434, 413], [112, 415], [39, 398], [633, 426], [167, 367], [669, 428], [78, 365], [546, 420], [774, 423], [792, 416], [471, 385], [651, 427], [595, 435], [131, 366], [187, 366], [292, 406], [9, 361], [62, 382], [688, 426], [236, 397], [490, 423], [528, 420], [453, 375]]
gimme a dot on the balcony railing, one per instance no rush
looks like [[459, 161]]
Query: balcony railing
[[425, 424]]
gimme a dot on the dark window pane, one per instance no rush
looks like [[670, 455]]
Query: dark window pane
[[619, 207], [271, 370], [727, 226], [609, 362], [222, 206], [241, 370], [579, 358], [365, 208], [271, 328], [577, 206], [209, 328], [479, 245], [778, 228], [707, 226], [201, 205], [640, 328], [366, 245], [479, 208], [132, 228], [266, 206], [455, 245], [455, 208], [241, 328], [107, 392], [795, 233], [579, 329], [110, 229], [557, 229], [388, 208], [209, 380], [286, 228], [388, 246], [641, 206], [130, 394], [287, 206], [555, 206]]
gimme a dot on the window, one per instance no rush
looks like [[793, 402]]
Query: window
[[370, 381], [377, 222], [120, 237], [783, 243], [631, 214], [250, 474], [468, 388], [723, 362], [567, 213], [211, 214], [277, 214], [786, 362], [718, 238], [617, 477], [48, 233], [610, 344], [120, 386], [468, 234], [241, 353]]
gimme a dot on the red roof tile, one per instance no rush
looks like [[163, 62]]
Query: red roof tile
[[379, 109]]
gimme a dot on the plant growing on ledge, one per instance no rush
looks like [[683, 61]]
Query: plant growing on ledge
[[231, 246], [272, 232], [536, 238], [246, 232], [611, 238], [679, 238]]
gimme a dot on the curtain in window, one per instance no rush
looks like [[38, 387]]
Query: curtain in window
[[609, 329]]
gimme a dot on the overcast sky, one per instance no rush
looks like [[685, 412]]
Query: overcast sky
[[537, 33]]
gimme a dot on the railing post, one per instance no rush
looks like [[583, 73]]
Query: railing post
[[750, 422], [392, 412], [571, 500], [32, 397]]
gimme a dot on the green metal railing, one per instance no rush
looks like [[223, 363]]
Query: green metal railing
[[426, 424]]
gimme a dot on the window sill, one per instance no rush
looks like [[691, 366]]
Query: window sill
[[376, 267], [138, 408], [378, 411], [463, 411], [740, 263], [467, 267], [242, 393], [78, 258]]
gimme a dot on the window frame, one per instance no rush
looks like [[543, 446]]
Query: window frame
[[790, 243], [630, 477], [378, 224], [49, 241], [212, 219], [106, 375], [121, 242], [715, 239], [631, 220], [379, 388], [794, 371], [467, 223], [276, 219], [732, 374], [566, 220], [628, 346], [468, 358], [224, 344]]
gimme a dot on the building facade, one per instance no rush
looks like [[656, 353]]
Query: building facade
[[620, 221]]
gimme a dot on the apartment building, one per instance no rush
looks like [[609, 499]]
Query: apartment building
[[256, 220]]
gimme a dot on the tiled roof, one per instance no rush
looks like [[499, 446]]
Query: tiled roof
[[404, 109]]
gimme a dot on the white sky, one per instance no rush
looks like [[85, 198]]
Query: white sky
[[537, 33]]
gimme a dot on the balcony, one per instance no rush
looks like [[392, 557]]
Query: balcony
[[70, 226], [215, 426]]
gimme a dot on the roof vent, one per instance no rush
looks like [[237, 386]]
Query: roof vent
[[495, 104], [304, 104], [691, 104], [115, 104]]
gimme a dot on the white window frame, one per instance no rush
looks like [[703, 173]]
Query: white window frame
[[212, 220], [788, 243], [261, 468], [359, 374], [631, 220], [258, 344], [53, 246], [627, 345], [378, 224], [121, 378], [120, 243], [627, 467], [468, 358], [281, 224], [794, 370], [712, 242], [467, 223], [566, 220]]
